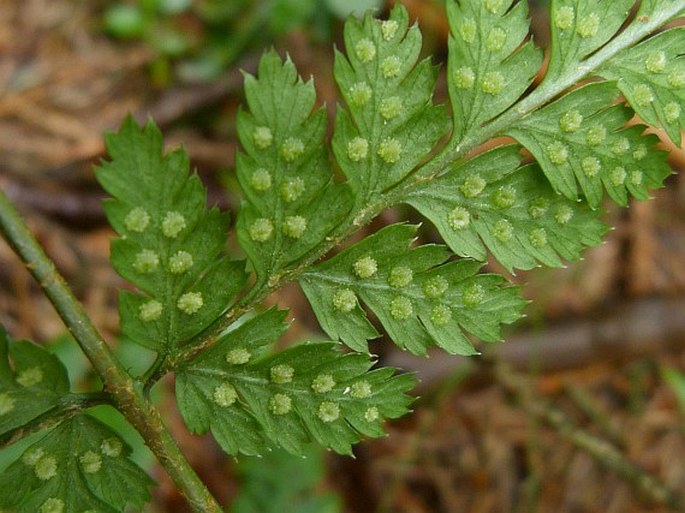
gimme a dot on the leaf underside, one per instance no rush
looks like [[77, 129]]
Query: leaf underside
[[251, 400], [33, 384], [582, 138], [420, 298], [170, 243], [651, 76], [515, 213], [390, 124], [284, 172], [579, 27], [81, 465], [490, 63]]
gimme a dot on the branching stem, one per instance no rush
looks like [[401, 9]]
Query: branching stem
[[126, 394]]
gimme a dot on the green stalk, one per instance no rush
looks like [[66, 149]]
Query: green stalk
[[126, 394]]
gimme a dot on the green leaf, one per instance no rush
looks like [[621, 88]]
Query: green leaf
[[279, 482], [344, 8], [32, 381], [310, 392], [81, 465], [649, 8], [284, 172], [579, 27], [391, 125], [491, 201], [125, 21], [289, 15], [490, 64], [582, 137], [420, 300], [676, 380], [170, 242], [652, 78]]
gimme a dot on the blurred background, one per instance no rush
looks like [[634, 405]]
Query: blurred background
[[582, 410]]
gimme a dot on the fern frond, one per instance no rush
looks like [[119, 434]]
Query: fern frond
[[421, 300], [391, 124], [532, 204], [310, 392], [284, 172], [493, 202], [170, 242]]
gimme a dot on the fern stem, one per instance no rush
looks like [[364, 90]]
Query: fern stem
[[125, 393]]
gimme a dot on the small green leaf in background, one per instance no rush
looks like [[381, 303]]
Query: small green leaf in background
[[288, 15], [676, 379], [173, 6], [125, 21], [344, 8], [279, 482]]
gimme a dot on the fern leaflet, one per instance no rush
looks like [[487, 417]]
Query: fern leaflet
[[310, 392], [170, 242]]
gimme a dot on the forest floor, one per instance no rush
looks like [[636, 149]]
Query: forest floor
[[571, 415]]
